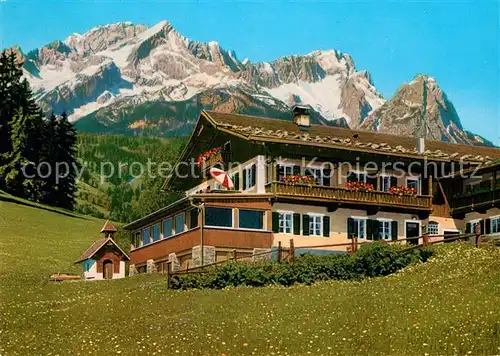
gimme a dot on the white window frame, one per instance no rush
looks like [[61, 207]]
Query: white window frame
[[283, 213], [319, 180], [363, 219], [287, 167], [313, 217], [495, 217], [429, 224], [473, 224], [247, 171], [419, 183], [382, 177], [388, 221]]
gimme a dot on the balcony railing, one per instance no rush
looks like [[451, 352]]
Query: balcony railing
[[341, 195], [475, 199]]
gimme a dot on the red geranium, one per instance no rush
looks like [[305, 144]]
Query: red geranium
[[359, 186], [206, 155], [298, 179], [402, 190]]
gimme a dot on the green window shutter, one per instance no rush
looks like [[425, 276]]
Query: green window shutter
[[487, 226], [281, 172], [305, 225], [394, 230], [296, 224], [468, 228], [350, 228], [326, 226], [254, 174], [481, 223], [370, 229], [327, 173], [377, 227], [244, 180], [276, 222], [236, 181]]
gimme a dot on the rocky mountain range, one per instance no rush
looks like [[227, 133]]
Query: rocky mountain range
[[127, 78]]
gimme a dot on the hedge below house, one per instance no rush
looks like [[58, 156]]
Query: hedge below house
[[371, 260]]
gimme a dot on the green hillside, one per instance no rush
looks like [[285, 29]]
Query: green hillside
[[111, 182], [448, 305]]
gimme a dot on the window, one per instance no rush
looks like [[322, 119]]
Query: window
[[222, 217], [355, 176], [356, 227], [285, 223], [385, 230], [167, 228], [433, 228], [321, 176], [249, 177], [137, 240], [471, 226], [387, 182], [193, 218], [236, 180], [156, 232], [87, 265], [413, 182], [179, 223], [145, 236], [315, 225], [495, 225], [287, 170], [251, 219]]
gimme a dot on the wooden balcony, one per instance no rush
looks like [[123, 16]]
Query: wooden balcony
[[481, 200], [340, 195]]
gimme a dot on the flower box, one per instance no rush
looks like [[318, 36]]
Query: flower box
[[298, 179], [359, 187], [403, 191], [210, 157]]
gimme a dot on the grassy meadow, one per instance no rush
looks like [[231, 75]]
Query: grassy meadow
[[448, 305]]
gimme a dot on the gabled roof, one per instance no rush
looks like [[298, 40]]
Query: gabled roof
[[286, 131], [108, 227], [96, 246]]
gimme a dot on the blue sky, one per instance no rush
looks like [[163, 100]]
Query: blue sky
[[457, 42]]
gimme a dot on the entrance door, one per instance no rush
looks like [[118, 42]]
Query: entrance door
[[107, 270], [412, 230]]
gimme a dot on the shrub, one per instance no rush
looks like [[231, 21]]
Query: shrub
[[372, 260]]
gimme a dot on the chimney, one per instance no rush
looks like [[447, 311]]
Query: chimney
[[421, 145], [301, 116]]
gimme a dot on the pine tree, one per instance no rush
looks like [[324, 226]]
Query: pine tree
[[20, 119], [20, 177], [50, 154], [66, 145]]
